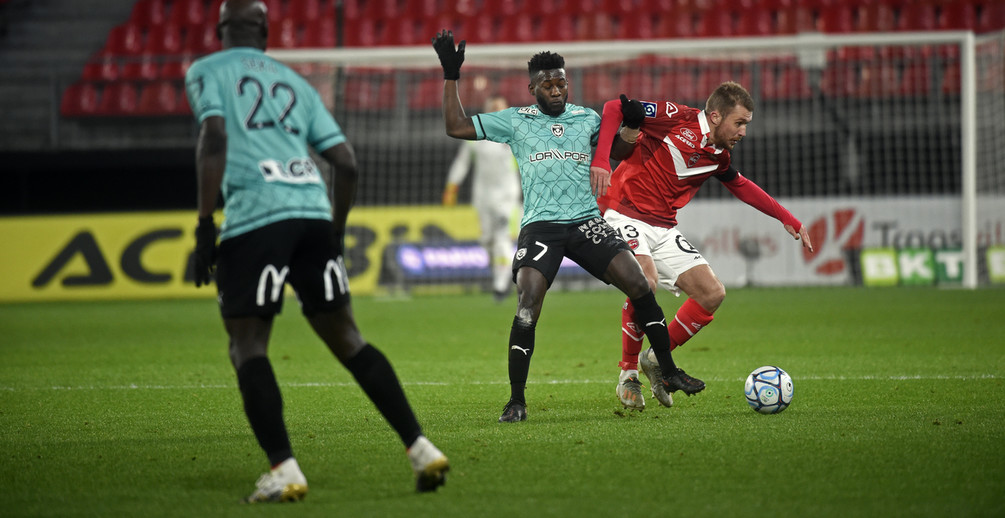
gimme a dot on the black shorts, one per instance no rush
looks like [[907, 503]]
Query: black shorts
[[253, 268], [592, 244]]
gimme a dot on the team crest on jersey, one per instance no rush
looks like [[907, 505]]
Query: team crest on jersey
[[633, 243], [650, 108], [557, 129], [695, 157], [528, 110]]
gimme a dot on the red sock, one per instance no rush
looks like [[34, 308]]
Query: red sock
[[690, 318], [631, 338]]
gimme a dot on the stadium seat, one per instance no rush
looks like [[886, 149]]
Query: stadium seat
[[960, 15], [404, 30], [596, 88], [79, 99], [784, 81], [950, 78], [423, 9], [518, 29], [118, 98], [595, 26], [685, 24], [836, 19], [479, 29], [428, 94], [755, 22], [175, 67], [320, 33], [125, 40], [716, 23], [164, 39], [794, 19], [916, 79], [101, 67], [158, 98], [148, 13], [187, 13], [364, 32], [200, 39], [637, 83], [917, 16], [680, 84], [504, 9], [369, 91], [307, 12], [514, 88], [876, 17], [878, 80], [285, 34], [991, 17], [145, 67]]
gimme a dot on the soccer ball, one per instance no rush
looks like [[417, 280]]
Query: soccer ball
[[768, 390]]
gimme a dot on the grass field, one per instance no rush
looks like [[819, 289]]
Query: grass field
[[131, 409]]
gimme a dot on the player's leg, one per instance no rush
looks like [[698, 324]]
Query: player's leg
[[321, 282], [705, 294], [629, 389], [541, 248], [531, 287], [250, 279], [625, 273], [495, 230]]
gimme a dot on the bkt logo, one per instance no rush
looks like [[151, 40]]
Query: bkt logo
[[831, 235], [650, 108]]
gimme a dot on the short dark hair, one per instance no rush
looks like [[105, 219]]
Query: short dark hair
[[726, 96], [545, 61]]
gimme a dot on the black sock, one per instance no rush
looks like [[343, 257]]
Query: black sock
[[263, 405], [377, 379], [521, 348], [649, 316]]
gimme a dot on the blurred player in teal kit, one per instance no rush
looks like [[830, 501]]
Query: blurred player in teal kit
[[552, 141], [257, 118]]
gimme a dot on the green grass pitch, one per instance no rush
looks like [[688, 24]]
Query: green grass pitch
[[115, 409]]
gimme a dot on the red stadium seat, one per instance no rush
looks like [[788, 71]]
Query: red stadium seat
[[125, 40], [876, 17], [716, 23], [365, 91], [917, 16], [118, 98], [794, 19], [200, 40], [158, 98], [285, 34], [147, 13], [320, 33], [79, 99], [992, 17], [951, 78], [174, 68], [595, 26], [504, 8], [101, 67], [145, 67], [518, 29], [836, 19], [755, 22], [188, 13], [428, 94], [405, 30], [364, 32], [960, 15], [916, 79], [596, 88], [164, 39], [308, 11]]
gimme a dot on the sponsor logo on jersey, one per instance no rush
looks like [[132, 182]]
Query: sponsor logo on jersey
[[521, 253], [577, 112], [684, 141], [528, 110], [557, 154], [650, 108], [688, 134], [557, 129]]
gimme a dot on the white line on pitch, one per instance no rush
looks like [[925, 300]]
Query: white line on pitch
[[135, 386]]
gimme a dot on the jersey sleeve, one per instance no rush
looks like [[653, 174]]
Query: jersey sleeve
[[324, 132], [752, 194], [609, 124], [495, 126], [204, 92]]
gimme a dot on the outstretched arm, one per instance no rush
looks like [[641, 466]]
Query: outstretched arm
[[752, 194], [458, 125], [624, 110]]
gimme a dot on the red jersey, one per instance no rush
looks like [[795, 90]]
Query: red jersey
[[672, 158]]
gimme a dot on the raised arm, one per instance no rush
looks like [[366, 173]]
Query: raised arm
[[458, 125]]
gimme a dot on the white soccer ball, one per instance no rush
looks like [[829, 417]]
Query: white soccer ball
[[768, 390]]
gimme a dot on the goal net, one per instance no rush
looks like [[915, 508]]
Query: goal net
[[890, 148]]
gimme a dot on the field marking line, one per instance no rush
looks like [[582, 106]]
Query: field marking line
[[202, 386]]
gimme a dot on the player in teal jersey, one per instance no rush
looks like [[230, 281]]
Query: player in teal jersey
[[553, 143], [257, 119]]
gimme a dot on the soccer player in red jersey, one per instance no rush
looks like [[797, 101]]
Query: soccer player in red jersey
[[667, 151]]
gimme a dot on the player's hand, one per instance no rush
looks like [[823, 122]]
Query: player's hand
[[450, 195], [600, 180], [450, 58], [632, 112], [205, 251], [802, 235]]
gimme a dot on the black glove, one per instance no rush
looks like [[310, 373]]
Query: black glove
[[632, 112], [450, 59], [205, 251]]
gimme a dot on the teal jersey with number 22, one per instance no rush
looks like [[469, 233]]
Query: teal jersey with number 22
[[272, 116], [554, 157]]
